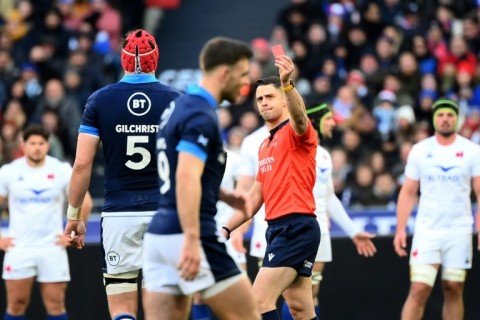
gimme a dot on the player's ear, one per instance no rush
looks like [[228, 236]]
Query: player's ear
[[224, 73]]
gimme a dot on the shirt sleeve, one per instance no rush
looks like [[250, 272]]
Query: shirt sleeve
[[412, 169], [308, 138], [89, 123], [248, 163], [197, 134], [475, 168], [4, 181]]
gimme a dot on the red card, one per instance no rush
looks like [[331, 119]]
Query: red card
[[277, 50]]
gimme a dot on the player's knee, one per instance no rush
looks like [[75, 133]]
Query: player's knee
[[18, 305], [120, 283], [454, 275], [297, 308], [316, 278], [424, 273]]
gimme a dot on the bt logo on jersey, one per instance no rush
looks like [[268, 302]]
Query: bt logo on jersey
[[139, 104]]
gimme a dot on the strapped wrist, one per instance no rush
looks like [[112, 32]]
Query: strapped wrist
[[74, 213]]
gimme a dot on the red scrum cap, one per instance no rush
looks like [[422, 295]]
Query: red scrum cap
[[139, 52]]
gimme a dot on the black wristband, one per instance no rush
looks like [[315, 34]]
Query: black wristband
[[228, 232]]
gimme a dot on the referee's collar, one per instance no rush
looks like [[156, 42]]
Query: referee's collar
[[280, 126], [139, 78], [196, 90]]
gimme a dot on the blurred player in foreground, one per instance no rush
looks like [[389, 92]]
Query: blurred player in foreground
[[183, 253]]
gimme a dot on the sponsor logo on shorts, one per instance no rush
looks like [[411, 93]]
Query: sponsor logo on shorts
[[113, 258], [271, 256], [307, 264]]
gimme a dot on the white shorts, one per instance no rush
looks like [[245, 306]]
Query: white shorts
[[258, 242], [162, 254], [452, 251], [238, 257], [122, 241], [48, 264], [324, 253]]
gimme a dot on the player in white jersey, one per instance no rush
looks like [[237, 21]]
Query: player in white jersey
[[36, 186], [443, 167], [329, 206], [201, 311], [246, 176]]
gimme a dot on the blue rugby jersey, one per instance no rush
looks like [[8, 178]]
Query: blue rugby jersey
[[125, 116], [190, 125]]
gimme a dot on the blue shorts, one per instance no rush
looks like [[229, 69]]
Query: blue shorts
[[292, 241]]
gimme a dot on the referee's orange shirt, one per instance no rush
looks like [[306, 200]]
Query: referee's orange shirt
[[286, 169]]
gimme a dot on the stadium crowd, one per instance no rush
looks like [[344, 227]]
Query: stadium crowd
[[379, 64]]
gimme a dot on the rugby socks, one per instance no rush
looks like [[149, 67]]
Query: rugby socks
[[286, 312], [201, 312], [123, 316], [270, 315], [10, 317], [317, 311], [59, 317]]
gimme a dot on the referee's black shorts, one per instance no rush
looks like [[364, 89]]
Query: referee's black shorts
[[292, 241]]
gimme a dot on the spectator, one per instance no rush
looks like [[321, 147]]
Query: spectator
[[321, 91], [471, 32], [356, 80], [392, 82], [372, 21], [373, 73], [154, 13], [54, 30], [423, 112], [385, 191], [263, 55], [398, 167], [404, 124], [107, 21], [54, 98], [385, 53], [14, 114], [458, 55], [361, 187], [50, 120], [408, 73], [427, 63], [357, 46], [384, 112]]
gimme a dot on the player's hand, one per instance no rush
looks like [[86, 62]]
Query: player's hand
[[285, 68], [364, 244], [236, 239], [62, 240], [75, 230], [240, 201], [189, 263], [6, 243], [400, 243]]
